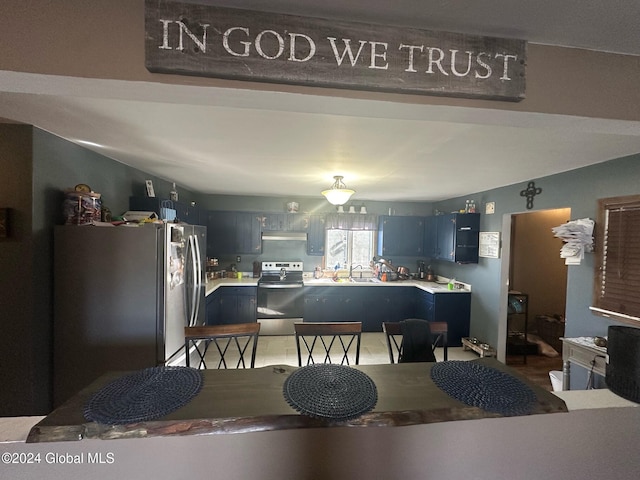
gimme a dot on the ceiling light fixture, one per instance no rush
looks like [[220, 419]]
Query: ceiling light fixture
[[338, 194]]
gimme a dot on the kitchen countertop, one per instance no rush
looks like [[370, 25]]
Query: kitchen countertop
[[252, 400], [431, 287]]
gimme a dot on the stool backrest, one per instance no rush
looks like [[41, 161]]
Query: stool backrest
[[393, 334], [234, 343], [323, 339]]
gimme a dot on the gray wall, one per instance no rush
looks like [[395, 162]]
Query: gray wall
[[36, 169], [579, 190]]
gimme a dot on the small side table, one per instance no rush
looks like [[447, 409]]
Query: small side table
[[582, 351]]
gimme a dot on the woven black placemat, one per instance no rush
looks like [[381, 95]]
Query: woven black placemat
[[484, 387], [334, 392], [144, 395]]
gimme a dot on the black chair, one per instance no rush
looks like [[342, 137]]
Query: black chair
[[320, 338], [240, 335], [395, 339]]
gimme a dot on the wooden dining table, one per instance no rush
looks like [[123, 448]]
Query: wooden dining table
[[251, 400]]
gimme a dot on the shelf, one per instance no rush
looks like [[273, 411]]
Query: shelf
[[517, 344]]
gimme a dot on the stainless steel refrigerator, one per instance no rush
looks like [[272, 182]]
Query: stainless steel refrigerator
[[122, 297]]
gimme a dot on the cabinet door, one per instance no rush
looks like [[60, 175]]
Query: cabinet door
[[426, 306], [430, 236], [315, 235], [273, 222], [297, 222], [312, 308], [445, 237], [213, 308], [246, 309], [403, 236], [248, 233], [236, 305], [455, 309], [228, 309], [221, 236], [467, 234]]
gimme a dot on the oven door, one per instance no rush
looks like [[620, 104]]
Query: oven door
[[279, 307]]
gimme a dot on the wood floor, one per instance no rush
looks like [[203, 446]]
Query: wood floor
[[536, 369]]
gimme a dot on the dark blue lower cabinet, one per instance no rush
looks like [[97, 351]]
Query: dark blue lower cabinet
[[370, 305], [213, 308], [229, 305], [453, 308], [331, 304]]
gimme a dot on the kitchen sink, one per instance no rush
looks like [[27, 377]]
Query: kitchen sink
[[355, 280], [365, 280]]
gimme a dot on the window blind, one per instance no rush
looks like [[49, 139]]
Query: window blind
[[617, 279]]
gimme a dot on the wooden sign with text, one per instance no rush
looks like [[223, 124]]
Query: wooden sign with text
[[203, 40]]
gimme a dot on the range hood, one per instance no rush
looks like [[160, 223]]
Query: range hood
[[282, 235]]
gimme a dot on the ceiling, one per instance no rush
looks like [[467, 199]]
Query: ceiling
[[248, 142]]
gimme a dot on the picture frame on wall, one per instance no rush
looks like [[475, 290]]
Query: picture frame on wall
[[4, 222], [150, 191]]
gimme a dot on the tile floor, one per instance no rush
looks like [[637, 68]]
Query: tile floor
[[281, 350]]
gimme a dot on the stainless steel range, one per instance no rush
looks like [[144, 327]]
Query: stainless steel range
[[280, 297]]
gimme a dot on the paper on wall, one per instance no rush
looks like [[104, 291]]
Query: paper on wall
[[578, 238]]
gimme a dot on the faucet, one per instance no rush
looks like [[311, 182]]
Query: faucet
[[352, 268]]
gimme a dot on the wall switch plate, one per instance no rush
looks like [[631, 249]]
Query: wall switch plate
[[238, 259], [490, 208]]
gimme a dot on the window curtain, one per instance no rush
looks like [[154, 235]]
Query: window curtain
[[351, 221]]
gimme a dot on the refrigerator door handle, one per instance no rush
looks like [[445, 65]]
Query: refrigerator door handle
[[191, 303], [197, 278]]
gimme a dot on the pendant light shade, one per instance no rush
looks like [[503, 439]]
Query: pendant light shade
[[338, 194]]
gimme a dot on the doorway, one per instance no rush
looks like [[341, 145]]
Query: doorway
[[535, 269]]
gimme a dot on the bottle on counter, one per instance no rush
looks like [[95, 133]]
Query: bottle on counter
[[173, 194], [421, 272]]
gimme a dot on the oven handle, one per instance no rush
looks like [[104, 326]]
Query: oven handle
[[286, 285]]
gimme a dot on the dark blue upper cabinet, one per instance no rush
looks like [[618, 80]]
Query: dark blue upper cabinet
[[315, 235], [400, 236], [233, 232], [221, 233], [453, 237]]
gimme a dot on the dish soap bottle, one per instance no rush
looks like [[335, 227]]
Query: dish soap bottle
[[173, 194]]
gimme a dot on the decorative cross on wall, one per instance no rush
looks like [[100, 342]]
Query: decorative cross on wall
[[530, 192]]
